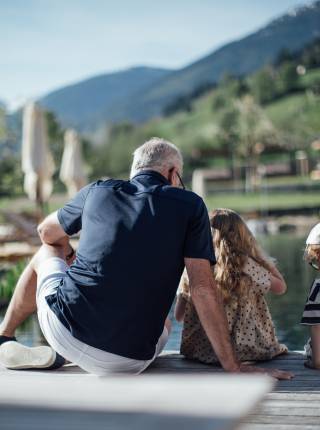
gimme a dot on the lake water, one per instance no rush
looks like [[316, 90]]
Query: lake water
[[286, 310]]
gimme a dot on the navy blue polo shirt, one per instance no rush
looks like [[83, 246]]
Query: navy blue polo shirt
[[134, 237]]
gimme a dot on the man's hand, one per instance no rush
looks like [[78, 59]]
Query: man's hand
[[275, 373], [70, 255]]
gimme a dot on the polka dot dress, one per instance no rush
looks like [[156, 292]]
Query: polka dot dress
[[249, 320]]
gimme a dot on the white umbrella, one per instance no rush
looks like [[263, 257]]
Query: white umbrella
[[72, 172], [37, 161]]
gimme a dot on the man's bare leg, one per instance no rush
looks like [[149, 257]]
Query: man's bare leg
[[23, 301]]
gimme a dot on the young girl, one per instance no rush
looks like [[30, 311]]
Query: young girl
[[311, 314], [243, 275]]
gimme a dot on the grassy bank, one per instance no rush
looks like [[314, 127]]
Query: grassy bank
[[262, 202]]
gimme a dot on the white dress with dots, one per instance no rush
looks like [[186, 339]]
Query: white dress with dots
[[250, 324]]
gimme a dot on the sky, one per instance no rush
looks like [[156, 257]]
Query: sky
[[47, 44]]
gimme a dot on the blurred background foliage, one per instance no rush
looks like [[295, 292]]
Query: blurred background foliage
[[275, 110]]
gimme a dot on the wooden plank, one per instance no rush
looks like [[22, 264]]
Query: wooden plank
[[292, 404], [292, 355], [200, 399], [279, 426], [28, 229], [284, 403], [13, 251], [50, 419], [284, 419], [293, 396], [296, 411], [132, 393]]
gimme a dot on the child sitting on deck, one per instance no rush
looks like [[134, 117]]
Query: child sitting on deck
[[243, 275], [311, 314]]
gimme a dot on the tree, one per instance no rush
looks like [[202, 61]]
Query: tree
[[10, 166], [263, 85], [233, 86], [3, 128], [228, 135], [255, 131], [288, 78], [56, 144], [284, 56]]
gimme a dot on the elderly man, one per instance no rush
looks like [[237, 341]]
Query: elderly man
[[107, 310]]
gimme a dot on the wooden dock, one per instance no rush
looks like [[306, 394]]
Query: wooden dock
[[177, 394], [292, 405]]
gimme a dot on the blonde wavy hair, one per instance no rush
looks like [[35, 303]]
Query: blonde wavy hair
[[311, 253], [233, 243]]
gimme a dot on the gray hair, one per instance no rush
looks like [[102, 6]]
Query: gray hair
[[156, 154]]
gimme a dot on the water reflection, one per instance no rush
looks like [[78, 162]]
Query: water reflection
[[286, 310]]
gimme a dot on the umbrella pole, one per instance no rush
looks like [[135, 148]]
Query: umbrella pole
[[40, 203]]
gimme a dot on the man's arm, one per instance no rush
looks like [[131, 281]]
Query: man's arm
[[52, 233], [209, 306], [50, 230]]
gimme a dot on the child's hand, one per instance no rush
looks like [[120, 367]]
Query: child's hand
[[275, 373]]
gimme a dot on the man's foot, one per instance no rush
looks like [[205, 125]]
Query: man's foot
[[4, 339], [14, 355]]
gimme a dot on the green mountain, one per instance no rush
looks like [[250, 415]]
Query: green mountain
[[268, 115], [139, 94], [89, 103]]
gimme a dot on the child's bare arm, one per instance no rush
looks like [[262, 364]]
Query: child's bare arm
[[265, 280], [278, 284], [180, 308]]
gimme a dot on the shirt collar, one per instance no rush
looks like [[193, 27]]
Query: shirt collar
[[154, 174]]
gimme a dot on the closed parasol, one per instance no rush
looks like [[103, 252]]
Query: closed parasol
[[37, 162], [72, 171]]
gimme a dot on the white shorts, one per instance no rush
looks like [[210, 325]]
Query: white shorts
[[91, 359]]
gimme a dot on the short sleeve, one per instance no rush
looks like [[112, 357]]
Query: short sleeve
[[183, 288], [70, 215], [199, 243], [259, 275]]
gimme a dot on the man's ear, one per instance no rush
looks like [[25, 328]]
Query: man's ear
[[170, 175]]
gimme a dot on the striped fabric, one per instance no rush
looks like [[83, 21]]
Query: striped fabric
[[311, 313]]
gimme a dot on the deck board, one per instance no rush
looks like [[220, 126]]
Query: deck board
[[50, 400], [293, 405]]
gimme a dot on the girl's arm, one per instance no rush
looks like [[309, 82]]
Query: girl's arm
[[265, 280], [278, 284], [180, 308]]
